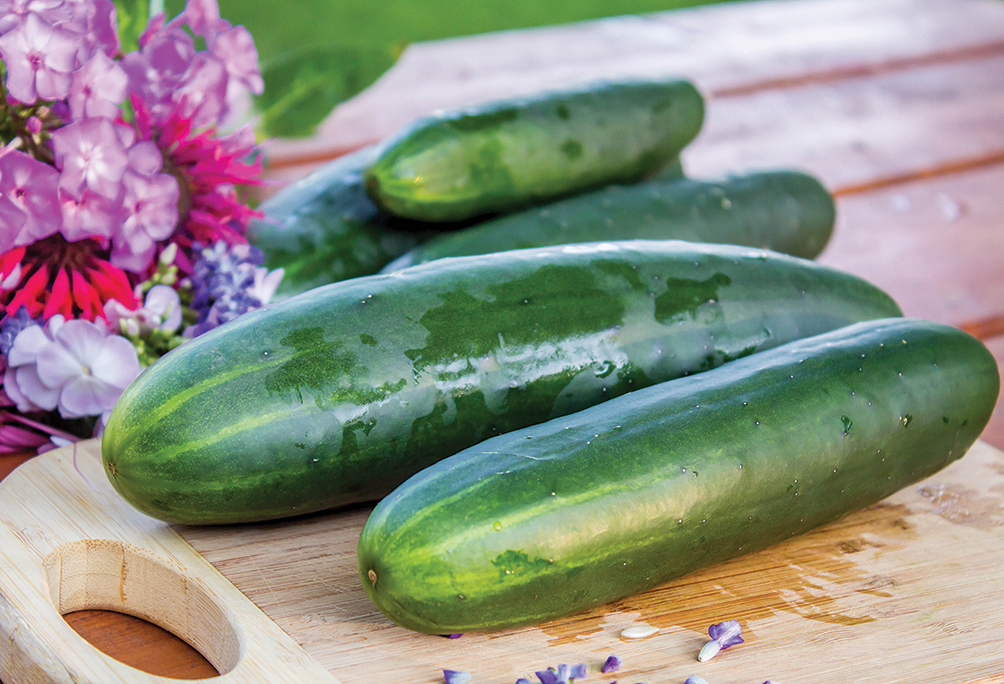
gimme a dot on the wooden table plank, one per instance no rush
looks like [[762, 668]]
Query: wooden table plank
[[725, 48], [863, 131], [936, 245]]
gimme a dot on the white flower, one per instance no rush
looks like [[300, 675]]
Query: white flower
[[74, 366]]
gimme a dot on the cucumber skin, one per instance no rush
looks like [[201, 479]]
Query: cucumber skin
[[586, 509], [324, 228], [338, 395], [505, 155], [783, 210]]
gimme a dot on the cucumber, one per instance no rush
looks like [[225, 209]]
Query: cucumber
[[324, 228], [508, 154], [339, 394], [606, 503], [786, 211]]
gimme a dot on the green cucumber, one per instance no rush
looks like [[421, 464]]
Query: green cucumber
[[324, 228], [606, 503], [339, 394], [785, 211], [509, 154]]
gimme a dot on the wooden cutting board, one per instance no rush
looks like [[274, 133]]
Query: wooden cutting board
[[908, 590]]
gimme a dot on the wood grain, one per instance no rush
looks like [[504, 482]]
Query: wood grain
[[920, 569]]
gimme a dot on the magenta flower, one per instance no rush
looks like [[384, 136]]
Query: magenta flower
[[39, 58], [31, 186]]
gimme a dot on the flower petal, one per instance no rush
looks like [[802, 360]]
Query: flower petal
[[727, 633], [56, 365], [32, 392], [116, 363], [456, 676], [26, 346], [86, 396]]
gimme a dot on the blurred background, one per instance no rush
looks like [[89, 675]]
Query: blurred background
[[317, 53]]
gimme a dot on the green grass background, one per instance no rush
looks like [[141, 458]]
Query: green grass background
[[277, 26], [317, 53]]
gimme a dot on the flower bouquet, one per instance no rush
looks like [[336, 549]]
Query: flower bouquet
[[122, 226]]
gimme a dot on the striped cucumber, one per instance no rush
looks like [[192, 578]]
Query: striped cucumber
[[786, 211], [589, 508], [504, 155], [324, 228], [340, 394]]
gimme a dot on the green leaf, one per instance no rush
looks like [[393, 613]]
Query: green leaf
[[131, 17], [302, 86]]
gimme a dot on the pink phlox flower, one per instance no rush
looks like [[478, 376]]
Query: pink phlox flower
[[97, 88], [100, 26], [154, 26], [236, 48], [13, 12], [233, 45], [201, 96], [145, 157], [39, 58], [32, 187], [89, 215], [203, 17], [159, 68], [12, 220], [76, 362], [90, 155], [150, 215]]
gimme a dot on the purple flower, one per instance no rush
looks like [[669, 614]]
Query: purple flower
[[150, 211], [97, 88], [12, 220], [695, 679], [723, 635], [548, 676], [39, 58], [612, 664], [89, 215], [92, 156], [32, 187], [228, 282], [74, 366], [456, 676]]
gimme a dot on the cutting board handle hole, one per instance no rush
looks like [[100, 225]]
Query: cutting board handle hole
[[99, 574]]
